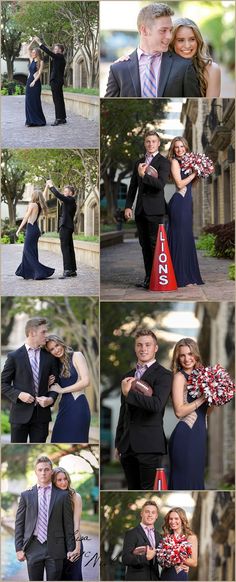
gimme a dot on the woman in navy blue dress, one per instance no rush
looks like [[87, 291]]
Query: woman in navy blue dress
[[30, 267], [187, 445], [72, 569], [180, 211], [73, 418], [33, 108], [176, 524]]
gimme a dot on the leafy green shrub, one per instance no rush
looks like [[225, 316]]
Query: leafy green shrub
[[5, 239], [5, 424], [231, 272], [4, 91], [224, 239], [20, 238], [206, 242], [8, 499]]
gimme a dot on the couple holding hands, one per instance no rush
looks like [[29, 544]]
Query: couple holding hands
[[32, 378], [30, 267]]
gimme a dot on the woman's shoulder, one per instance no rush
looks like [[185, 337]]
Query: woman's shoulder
[[33, 205], [192, 538]]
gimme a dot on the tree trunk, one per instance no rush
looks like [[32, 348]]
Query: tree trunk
[[9, 68], [12, 212]]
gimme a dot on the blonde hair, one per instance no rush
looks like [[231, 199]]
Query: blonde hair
[[185, 525], [192, 345], [38, 55], [171, 153], [202, 57], [67, 476], [66, 358], [148, 14], [38, 197]]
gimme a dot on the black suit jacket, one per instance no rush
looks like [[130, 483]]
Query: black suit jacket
[[68, 209], [178, 78], [17, 377], [60, 536], [57, 68], [140, 423], [138, 567], [150, 190]]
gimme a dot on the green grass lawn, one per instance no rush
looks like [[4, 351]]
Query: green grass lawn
[[81, 90], [75, 237]]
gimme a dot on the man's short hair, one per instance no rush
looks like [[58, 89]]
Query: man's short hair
[[142, 332], [148, 14], [151, 132], [150, 503], [60, 46], [71, 188], [34, 322], [43, 459]]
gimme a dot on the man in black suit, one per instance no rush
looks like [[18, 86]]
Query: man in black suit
[[56, 79], [25, 382], [66, 227], [142, 566], [151, 70], [44, 530], [140, 438], [150, 205]]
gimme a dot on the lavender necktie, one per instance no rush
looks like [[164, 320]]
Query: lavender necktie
[[140, 369], [150, 85], [42, 521], [33, 355]]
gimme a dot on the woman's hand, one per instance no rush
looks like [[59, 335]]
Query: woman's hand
[[32, 84], [51, 380], [17, 233], [76, 552], [56, 388]]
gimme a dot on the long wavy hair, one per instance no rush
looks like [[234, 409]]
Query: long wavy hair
[[171, 153], [186, 530], [66, 358], [202, 58], [38, 197], [38, 56], [193, 346], [67, 476]]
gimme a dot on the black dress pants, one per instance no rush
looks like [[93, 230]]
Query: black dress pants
[[147, 232], [58, 100], [67, 248], [38, 560], [140, 469], [35, 429]]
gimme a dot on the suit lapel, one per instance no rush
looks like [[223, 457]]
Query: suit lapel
[[33, 498], [149, 371], [133, 69], [41, 364], [142, 533], [54, 496], [166, 65], [27, 362]]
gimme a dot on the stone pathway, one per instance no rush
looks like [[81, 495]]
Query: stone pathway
[[78, 132], [122, 267], [85, 284]]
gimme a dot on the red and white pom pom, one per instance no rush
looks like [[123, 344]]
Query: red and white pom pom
[[212, 381], [199, 163], [172, 549]]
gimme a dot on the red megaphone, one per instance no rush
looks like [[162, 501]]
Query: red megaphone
[[162, 276], [160, 483]]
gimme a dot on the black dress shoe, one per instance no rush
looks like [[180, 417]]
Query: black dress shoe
[[58, 122], [68, 274], [145, 284]]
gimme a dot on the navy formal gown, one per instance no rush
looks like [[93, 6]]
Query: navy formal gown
[[172, 575], [73, 570], [30, 267], [33, 107], [187, 449], [73, 419], [181, 240]]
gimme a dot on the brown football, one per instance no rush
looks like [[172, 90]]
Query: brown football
[[141, 387], [140, 551], [151, 171]]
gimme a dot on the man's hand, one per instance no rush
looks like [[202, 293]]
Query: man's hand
[[150, 554], [117, 455], [51, 380], [26, 397], [49, 183], [69, 555], [141, 169], [128, 214], [44, 401], [20, 556], [126, 385]]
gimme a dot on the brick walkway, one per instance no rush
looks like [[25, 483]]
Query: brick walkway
[[86, 283], [78, 132], [122, 267]]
